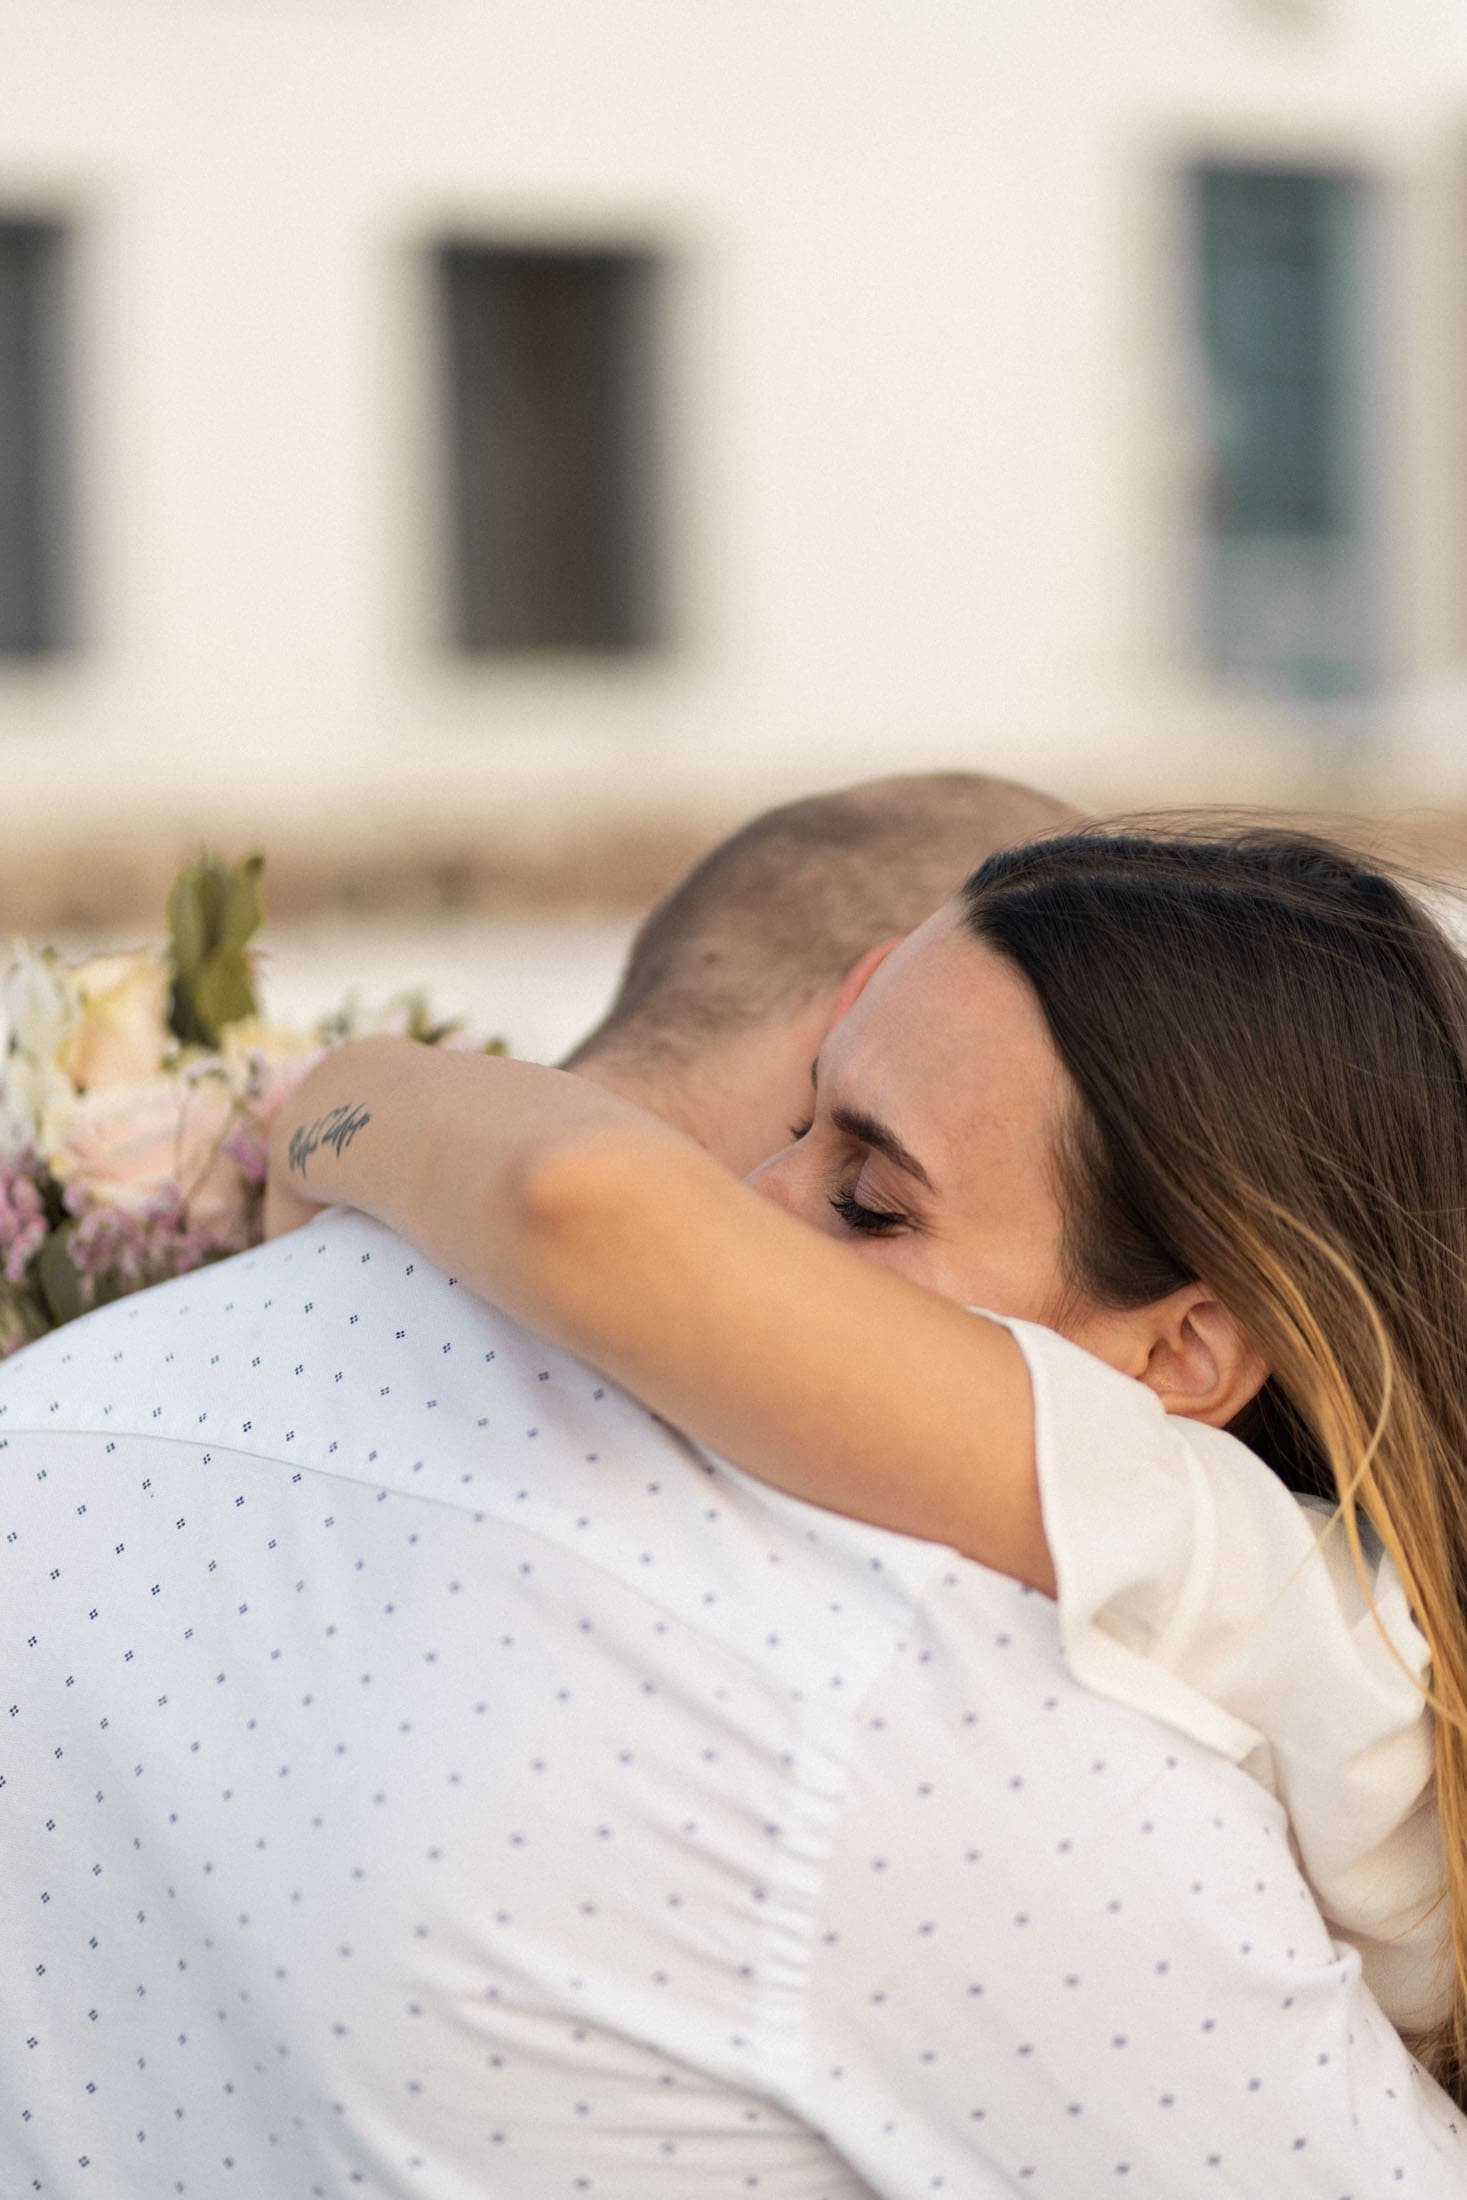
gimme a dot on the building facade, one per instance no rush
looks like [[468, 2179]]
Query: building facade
[[430, 416]]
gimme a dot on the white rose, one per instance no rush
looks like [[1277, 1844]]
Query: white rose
[[390, 1019], [40, 1009], [121, 1033], [30, 1093]]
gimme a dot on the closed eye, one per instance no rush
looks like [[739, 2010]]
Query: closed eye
[[870, 1221]]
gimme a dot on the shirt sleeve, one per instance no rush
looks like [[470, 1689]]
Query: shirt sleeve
[[1193, 1586]]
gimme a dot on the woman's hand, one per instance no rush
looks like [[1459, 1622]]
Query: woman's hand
[[312, 1126]]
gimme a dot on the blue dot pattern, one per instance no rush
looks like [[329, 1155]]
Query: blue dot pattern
[[421, 1773]]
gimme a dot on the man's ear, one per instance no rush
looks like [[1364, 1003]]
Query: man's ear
[[1198, 1361], [856, 978]]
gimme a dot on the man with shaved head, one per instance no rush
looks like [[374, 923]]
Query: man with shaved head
[[732, 979]]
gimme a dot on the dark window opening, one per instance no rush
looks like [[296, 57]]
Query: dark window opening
[[551, 446], [33, 611]]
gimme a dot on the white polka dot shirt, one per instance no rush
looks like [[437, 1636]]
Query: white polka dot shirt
[[421, 1774]]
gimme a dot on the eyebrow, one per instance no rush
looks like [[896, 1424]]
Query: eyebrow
[[872, 1132]]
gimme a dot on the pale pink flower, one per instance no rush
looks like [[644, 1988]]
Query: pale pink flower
[[109, 1241], [250, 1154], [23, 1225], [116, 1146], [130, 1247]]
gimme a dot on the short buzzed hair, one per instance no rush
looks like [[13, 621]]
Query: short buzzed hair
[[780, 911]]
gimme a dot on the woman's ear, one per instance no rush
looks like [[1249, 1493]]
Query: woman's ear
[[1198, 1361]]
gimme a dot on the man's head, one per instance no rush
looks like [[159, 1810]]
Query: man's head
[[735, 976]]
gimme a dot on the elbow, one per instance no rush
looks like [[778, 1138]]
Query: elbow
[[554, 1190], [580, 1211]]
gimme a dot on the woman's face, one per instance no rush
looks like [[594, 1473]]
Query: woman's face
[[935, 1111]]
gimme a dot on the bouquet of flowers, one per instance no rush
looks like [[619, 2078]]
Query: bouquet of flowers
[[136, 1097]]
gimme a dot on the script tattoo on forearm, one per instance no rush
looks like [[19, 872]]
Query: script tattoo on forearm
[[336, 1129]]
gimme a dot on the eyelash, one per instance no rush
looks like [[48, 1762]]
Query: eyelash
[[871, 1221], [874, 1221]]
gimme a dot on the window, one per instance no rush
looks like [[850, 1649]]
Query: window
[[32, 611], [550, 446], [1284, 548]]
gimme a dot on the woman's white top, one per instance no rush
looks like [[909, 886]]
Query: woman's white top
[[1194, 1586]]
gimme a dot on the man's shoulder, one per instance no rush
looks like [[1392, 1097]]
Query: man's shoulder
[[338, 1245], [340, 1353], [327, 1317]]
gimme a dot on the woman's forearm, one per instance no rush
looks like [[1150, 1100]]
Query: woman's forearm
[[449, 1149], [601, 1228]]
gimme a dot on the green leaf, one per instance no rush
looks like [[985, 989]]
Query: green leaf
[[244, 910], [53, 1201], [182, 1021], [62, 1289], [188, 934], [213, 913], [61, 1286], [22, 1317], [209, 875], [222, 994]]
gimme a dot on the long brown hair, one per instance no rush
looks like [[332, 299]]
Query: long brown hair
[[1269, 1042]]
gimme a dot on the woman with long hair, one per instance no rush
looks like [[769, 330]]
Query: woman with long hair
[[1188, 1115]]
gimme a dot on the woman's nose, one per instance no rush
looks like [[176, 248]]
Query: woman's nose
[[774, 1178]]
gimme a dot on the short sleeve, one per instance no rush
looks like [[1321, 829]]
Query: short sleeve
[[1193, 1586]]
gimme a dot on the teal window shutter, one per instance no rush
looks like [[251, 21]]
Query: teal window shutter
[[1288, 591]]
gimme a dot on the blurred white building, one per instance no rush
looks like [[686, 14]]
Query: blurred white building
[[505, 411]]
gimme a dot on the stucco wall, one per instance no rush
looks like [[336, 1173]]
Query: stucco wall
[[928, 474]]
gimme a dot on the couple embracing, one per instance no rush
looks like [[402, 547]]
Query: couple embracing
[[938, 1667]]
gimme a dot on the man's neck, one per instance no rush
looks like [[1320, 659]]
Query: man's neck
[[737, 1098], [677, 1095]]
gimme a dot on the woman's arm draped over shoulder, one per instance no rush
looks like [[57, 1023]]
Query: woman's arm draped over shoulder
[[600, 1227]]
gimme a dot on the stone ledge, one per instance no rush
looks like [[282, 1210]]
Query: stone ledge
[[102, 885]]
